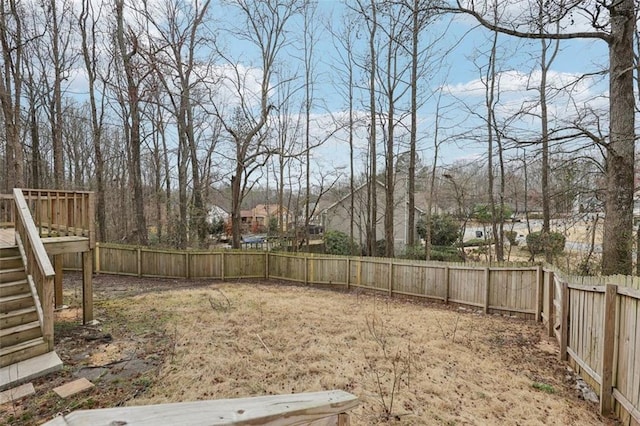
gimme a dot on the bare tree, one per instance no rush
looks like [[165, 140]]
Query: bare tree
[[88, 25], [12, 42], [173, 58], [370, 14], [614, 23], [128, 48], [345, 40], [264, 27]]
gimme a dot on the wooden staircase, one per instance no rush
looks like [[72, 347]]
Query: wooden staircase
[[24, 353], [27, 278], [20, 330]]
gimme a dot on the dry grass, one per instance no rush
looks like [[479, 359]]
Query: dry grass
[[442, 366]]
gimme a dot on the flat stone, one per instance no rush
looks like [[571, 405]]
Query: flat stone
[[73, 388], [17, 393]]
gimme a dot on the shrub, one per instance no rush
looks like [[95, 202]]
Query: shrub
[[336, 242], [511, 237], [552, 242], [446, 254], [415, 252], [445, 230]]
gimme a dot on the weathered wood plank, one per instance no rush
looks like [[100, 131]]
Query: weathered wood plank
[[16, 393], [72, 388], [264, 410]]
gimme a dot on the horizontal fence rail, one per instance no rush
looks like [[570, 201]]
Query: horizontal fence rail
[[595, 320]]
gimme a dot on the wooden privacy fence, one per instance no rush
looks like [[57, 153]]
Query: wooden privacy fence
[[596, 323], [515, 291], [595, 320]]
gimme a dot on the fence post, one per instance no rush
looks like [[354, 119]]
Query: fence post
[[539, 293], [390, 277], [139, 261], [609, 328], [186, 265], [222, 267], [487, 288], [306, 270], [348, 272], [564, 323], [266, 263], [551, 315], [446, 284]]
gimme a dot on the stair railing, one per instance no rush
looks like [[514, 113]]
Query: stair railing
[[37, 264]]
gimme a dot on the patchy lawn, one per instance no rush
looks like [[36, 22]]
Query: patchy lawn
[[409, 363]]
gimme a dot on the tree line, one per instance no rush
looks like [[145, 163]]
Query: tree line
[[161, 106]]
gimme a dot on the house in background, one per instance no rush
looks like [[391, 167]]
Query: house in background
[[256, 220], [217, 214], [337, 216]]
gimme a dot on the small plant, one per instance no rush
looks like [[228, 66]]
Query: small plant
[[389, 367], [544, 387]]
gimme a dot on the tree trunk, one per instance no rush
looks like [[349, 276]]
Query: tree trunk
[[617, 244]]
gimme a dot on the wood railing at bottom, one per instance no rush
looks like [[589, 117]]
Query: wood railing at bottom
[[317, 408], [7, 219], [38, 265]]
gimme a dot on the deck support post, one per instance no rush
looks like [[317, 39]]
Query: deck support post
[[57, 280], [87, 287]]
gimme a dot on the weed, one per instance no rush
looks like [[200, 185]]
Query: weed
[[544, 387], [389, 369]]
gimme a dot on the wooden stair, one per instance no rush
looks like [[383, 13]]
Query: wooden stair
[[20, 329]]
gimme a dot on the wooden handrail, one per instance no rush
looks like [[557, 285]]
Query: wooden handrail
[[38, 265]]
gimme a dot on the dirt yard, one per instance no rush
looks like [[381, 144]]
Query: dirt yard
[[409, 363]]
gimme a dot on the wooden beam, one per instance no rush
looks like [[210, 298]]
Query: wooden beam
[[61, 245], [609, 329], [87, 287]]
